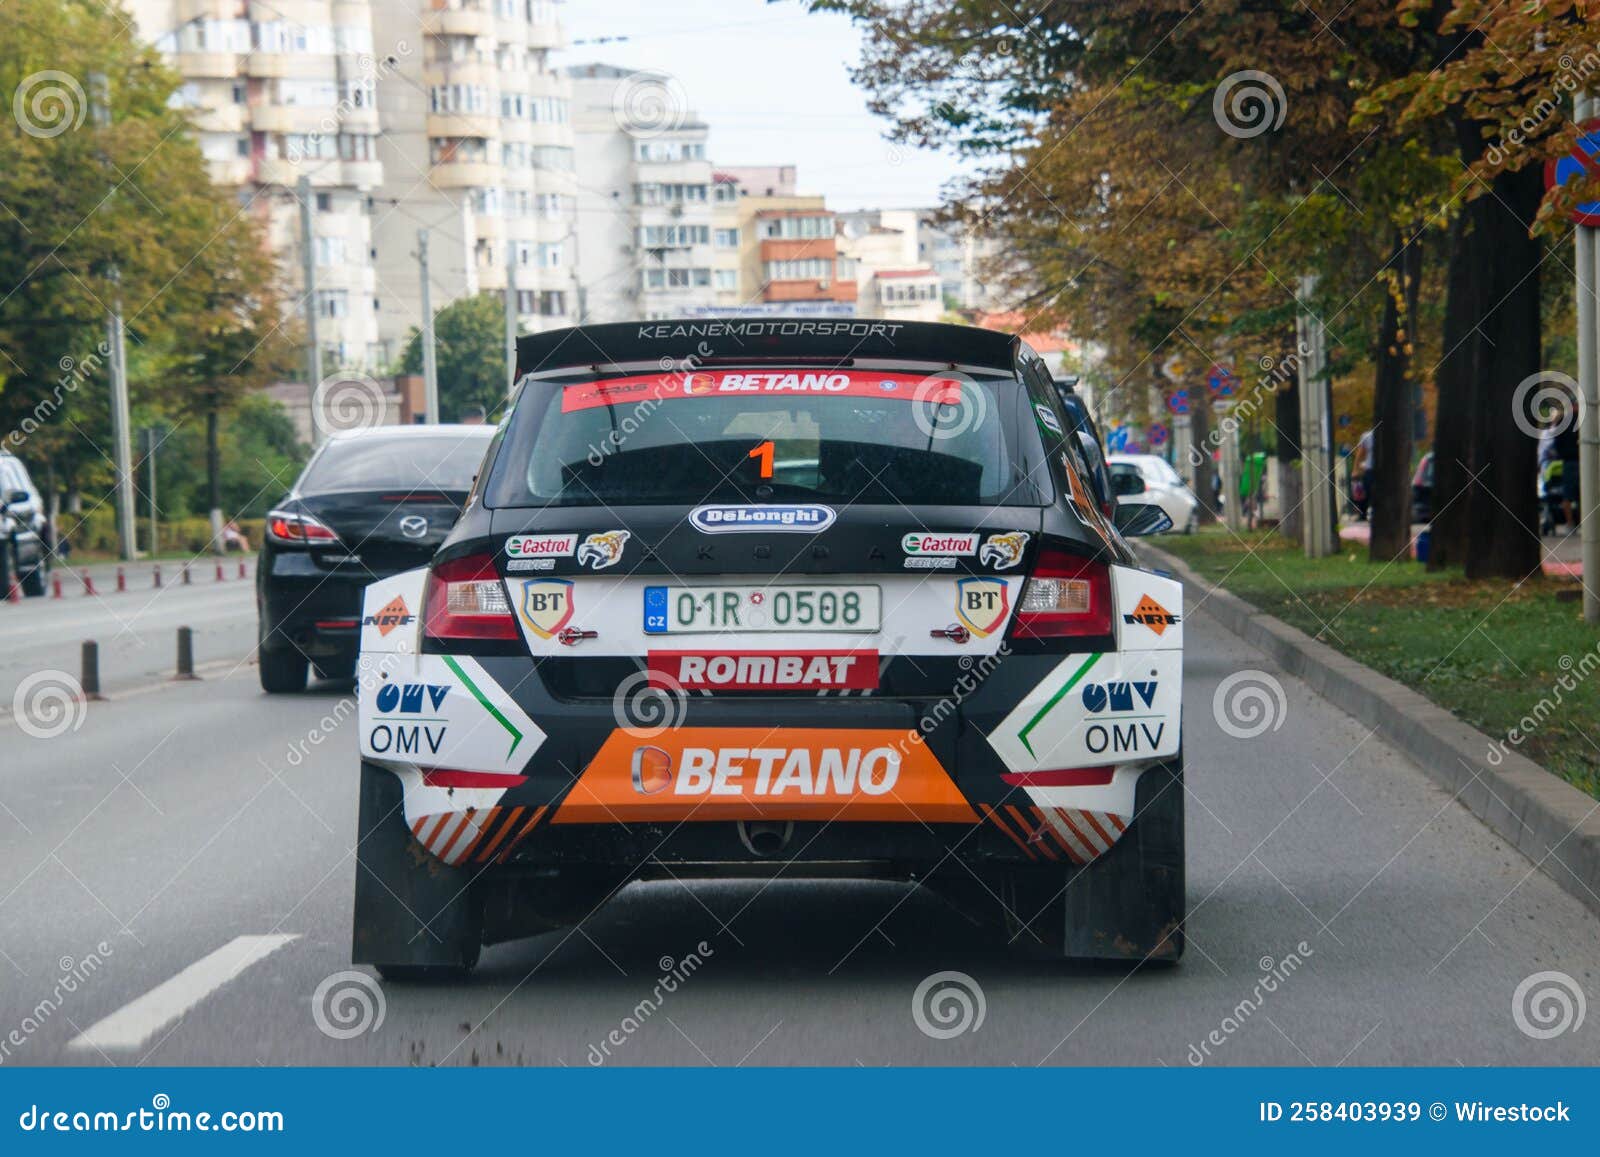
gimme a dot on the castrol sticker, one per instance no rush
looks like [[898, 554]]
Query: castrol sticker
[[764, 670], [938, 542]]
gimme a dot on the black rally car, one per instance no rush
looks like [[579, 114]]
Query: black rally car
[[749, 596]]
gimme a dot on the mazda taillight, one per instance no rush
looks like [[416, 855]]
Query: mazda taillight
[[286, 526], [1065, 595], [465, 599]]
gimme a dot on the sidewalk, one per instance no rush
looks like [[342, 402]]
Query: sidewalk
[[1563, 553], [140, 575]]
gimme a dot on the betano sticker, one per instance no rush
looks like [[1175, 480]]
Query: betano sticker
[[743, 383], [723, 773]]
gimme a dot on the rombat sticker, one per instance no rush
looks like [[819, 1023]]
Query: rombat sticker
[[392, 614], [1151, 614], [940, 542], [604, 549], [721, 773], [982, 603], [541, 545], [765, 670], [1004, 551], [546, 605]]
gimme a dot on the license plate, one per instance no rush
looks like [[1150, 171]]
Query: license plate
[[753, 610]]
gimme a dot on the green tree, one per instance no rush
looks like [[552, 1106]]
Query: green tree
[[470, 349]]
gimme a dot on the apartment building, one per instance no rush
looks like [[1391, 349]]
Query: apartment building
[[905, 246], [278, 92], [477, 148], [645, 236]]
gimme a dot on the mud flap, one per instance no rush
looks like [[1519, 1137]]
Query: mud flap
[[410, 910], [1130, 903]]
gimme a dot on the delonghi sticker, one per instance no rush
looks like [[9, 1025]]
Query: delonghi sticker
[[801, 519]]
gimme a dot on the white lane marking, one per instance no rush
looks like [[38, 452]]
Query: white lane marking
[[138, 1021]]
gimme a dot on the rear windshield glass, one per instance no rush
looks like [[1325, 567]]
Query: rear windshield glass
[[414, 462], [753, 435]]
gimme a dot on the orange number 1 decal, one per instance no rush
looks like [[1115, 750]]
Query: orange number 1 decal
[[763, 452]]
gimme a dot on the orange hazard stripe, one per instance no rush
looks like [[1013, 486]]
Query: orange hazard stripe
[[1049, 827], [1095, 824], [1087, 841], [994, 818], [483, 830], [1030, 832], [511, 821], [533, 820]]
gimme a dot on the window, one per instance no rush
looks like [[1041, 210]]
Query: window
[[329, 250], [549, 255], [514, 154], [486, 201], [727, 280], [242, 146], [469, 99], [239, 94], [806, 269], [547, 110], [552, 303], [358, 146], [727, 238], [727, 191], [358, 92], [304, 93], [795, 228], [351, 38], [552, 157], [655, 278], [652, 193], [458, 150], [656, 150], [333, 303], [673, 236]]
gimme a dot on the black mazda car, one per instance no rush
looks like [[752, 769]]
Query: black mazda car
[[369, 504]]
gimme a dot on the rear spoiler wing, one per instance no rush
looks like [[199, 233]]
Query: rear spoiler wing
[[691, 343]]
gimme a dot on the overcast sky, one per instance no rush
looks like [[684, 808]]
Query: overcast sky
[[773, 83]]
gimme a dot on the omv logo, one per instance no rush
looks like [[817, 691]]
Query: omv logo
[[729, 519]]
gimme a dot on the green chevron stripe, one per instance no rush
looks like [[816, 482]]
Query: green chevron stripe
[[516, 736], [1022, 735]]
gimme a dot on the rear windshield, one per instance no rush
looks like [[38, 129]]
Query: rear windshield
[[414, 462], [752, 435]]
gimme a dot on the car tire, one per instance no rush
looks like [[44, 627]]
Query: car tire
[[283, 672], [416, 919], [33, 583], [1193, 521], [1128, 905]]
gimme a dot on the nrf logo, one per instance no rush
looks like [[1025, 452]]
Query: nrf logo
[[731, 519]]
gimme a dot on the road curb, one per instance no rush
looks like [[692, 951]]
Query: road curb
[[1549, 821]]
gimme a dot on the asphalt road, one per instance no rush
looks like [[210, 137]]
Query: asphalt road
[[137, 850], [136, 628]]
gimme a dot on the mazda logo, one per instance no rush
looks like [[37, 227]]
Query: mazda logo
[[414, 526]]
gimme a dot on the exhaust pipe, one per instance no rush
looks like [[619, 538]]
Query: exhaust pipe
[[765, 839]]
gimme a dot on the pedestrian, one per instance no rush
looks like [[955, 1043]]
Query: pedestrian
[[1361, 482], [1565, 450]]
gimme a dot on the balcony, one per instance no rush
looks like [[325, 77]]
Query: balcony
[[204, 65], [480, 125], [280, 118], [464, 174], [278, 65], [809, 291], [458, 22]]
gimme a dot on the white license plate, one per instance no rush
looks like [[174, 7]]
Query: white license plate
[[672, 610]]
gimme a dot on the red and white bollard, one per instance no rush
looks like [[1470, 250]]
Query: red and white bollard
[[122, 580], [88, 582], [13, 590], [55, 586], [242, 572], [219, 572]]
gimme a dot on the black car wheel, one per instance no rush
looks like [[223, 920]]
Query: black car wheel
[[283, 672], [33, 582]]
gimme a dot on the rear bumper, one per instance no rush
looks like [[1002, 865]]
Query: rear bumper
[[318, 615]]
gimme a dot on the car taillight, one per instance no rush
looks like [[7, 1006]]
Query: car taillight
[[1065, 595], [299, 529], [465, 599]]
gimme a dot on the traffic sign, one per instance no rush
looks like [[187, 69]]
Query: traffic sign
[[1178, 401], [1583, 159], [1158, 435], [1221, 381]]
